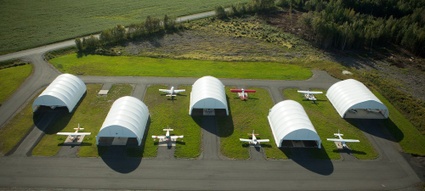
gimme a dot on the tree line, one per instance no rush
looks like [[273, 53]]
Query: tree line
[[346, 24], [120, 34]]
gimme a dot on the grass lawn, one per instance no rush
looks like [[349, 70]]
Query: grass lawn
[[144, 66], [244, 117], [16, 129], [409, 137], [174, 114], [326, 121], [90, 113], [27, 23], [11, 79]]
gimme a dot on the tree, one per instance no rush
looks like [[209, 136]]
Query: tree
[[220, 13]]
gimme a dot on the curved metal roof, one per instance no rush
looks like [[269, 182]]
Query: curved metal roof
[[208, 92], [289, 121], [352, 94], [127, 117], [66, 90]]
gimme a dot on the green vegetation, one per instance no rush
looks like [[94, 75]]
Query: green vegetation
[[326, 121], [175, 114], [143, 66], [28, 23], [409, 138], [244, 117], [16, 129], [12, 78], [355, 24], [90, 113]]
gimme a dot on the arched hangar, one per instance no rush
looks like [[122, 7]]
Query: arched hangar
[[291, 126], [208, 97], [352, 99], [126, 121], [65, 91]]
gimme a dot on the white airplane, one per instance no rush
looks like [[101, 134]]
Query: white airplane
[[254, 140], [167, 136], [309, 95], [171, 92], [343, 141], [74, 135]]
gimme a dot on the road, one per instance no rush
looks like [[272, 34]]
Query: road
[[389, 172]]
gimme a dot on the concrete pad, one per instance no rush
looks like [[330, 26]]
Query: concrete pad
[[74, 140], [120, 141], [103, 92]]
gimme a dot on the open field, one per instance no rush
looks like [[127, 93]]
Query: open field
[[90, 113], [26, 23], [326, 121], [144, 66], [11, 79], [244, 117]]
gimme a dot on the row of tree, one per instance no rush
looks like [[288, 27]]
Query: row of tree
[[348, 24], [120, 33], [240, 9]]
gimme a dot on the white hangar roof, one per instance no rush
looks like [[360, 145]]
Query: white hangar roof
[[289, 121], [352, 95], [65, 91], [127, 118], [208, 93]]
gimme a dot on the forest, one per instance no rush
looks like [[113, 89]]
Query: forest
[[347, 24]]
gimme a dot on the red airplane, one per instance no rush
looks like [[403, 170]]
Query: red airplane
[[242, 93]]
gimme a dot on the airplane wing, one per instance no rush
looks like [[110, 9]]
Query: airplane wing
[[72, 133], [245, 140], [263, 140], [250, 91], [178, 91], [235, 90], [158, 137], [350, 140], [309, 92], [165, 91], [176, 136]]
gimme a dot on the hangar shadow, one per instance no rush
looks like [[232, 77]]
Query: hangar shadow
[[383, 128], [315, 160], [116, 157], [51, 121]]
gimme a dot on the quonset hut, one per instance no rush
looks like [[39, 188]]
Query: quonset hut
[[352, 99], [208, 97], [291, 126], [65, 91], [126, 121]]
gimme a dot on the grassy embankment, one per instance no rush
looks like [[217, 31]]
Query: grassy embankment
[[327, 121], [26, 23], [90, 113]]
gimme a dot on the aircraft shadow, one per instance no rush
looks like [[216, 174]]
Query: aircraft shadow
[[314, 160], [116, 158], [383, 128]]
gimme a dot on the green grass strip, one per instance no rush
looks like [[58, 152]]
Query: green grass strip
[[143, 66], [409, 137], [11, 79], [244, 117], [174, 114]]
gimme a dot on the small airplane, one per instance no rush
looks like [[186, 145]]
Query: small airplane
[[74, 135], [254, 140], [167, 136], [171, 92], [242, 93], [309, 95], [343, 141]]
